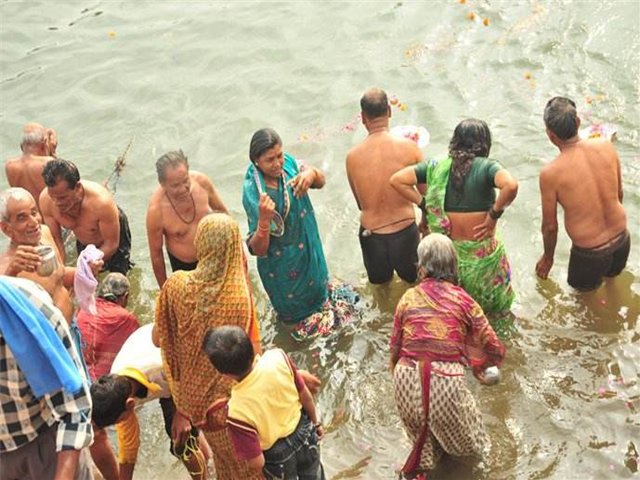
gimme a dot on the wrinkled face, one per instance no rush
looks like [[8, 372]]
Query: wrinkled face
[[64, 198], [23, 226], [177, 183], [271, 161]]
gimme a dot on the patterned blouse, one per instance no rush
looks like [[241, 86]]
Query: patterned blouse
[[438, 321]]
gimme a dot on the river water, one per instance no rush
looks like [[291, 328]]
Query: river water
[[204, 75]]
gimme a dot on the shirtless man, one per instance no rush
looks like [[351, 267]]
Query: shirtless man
[[388, 233], [38, 147], [20, 221], [89, 210], [585, 180], [176, 206]]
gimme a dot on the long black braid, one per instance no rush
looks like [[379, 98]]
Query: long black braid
[[471, 139]]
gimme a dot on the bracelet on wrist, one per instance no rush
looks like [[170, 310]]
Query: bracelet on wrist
[[495, 214], [263, 228]]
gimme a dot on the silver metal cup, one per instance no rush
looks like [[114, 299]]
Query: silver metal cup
[[492, 375], [49, 262]]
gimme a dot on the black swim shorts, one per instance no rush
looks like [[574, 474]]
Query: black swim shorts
[[587, 266], [120, 261], [383, 253]]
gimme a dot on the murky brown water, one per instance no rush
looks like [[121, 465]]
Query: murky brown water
[[204, 75]]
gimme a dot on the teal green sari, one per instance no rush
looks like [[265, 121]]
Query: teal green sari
[[294, 271], [483, 268]]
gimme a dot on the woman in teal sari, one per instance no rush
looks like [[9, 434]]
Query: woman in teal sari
[[461, 202], [283, 234]]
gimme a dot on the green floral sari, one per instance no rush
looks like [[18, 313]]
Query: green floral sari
[[483, 268]]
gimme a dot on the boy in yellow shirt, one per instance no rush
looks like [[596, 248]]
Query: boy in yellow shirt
[[272, 417]]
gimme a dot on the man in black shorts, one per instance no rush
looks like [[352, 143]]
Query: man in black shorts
[[388, 232]]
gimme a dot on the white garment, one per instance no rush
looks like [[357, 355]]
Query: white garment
[[140, 354]]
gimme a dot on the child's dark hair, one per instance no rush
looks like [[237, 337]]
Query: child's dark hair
[[109, 396], [229, 350]]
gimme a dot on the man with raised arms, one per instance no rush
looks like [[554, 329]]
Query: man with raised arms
[[388, 232], [89, 210], [585, 179], [38, 147], [176, 206]]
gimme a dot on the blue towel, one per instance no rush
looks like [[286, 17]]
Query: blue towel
[[36, 346]]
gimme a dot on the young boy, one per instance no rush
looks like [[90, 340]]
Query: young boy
[[137, 377], [272, 418]]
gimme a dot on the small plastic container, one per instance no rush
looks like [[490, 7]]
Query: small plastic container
[[49, 261], [492, 375]]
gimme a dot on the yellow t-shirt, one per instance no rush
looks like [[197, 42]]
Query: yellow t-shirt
[[267, 400]]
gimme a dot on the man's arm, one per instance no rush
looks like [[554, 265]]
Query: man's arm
[[102, 455], [109, 226], [66, 464], [348, 162], [215, 202], [155, 239], [549, 223], [46, 209], [128, 432], [619, 171]]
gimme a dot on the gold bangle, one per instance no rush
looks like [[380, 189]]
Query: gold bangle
[[263, 229]]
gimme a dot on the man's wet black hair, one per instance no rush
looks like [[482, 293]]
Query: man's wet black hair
[[560, 117], [59, 169], [109, 396], [229, 350]]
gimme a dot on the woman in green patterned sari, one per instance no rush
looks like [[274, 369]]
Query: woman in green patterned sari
[[461, 202]]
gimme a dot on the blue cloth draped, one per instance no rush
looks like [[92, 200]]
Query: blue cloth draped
[[294, 271], [36, 346]]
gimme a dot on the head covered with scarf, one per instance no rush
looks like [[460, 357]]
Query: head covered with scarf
[[216, 293]]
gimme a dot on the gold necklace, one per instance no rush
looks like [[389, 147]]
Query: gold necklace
[[193, 205]]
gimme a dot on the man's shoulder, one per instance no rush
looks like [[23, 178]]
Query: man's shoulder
[[197, 175], [157, 197], [98, 195], [13, 163], [201, 180]]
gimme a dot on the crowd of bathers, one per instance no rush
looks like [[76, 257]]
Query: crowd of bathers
[[82, 362]]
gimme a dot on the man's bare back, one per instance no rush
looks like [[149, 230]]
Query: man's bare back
[[585, 178], [370, 165], [26, 172]]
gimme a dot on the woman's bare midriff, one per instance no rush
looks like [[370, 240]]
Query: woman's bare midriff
[[462, 224]]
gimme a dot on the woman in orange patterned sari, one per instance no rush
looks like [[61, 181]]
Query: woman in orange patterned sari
[[438, 329], [216, 293]]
